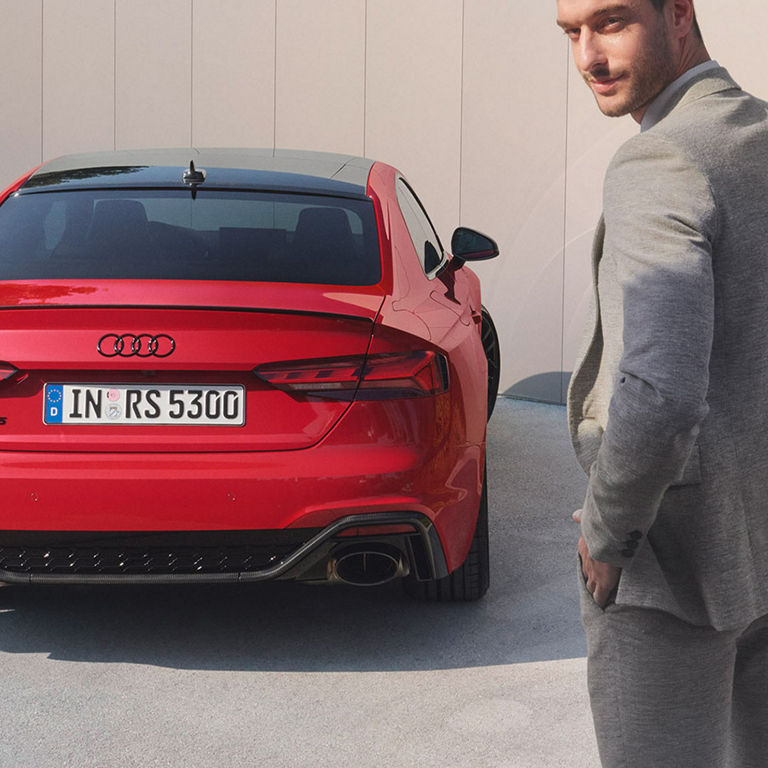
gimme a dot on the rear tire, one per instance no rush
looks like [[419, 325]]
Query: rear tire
[[490, 341], [471, 579]]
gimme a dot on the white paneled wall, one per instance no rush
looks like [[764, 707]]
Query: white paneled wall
[[233, 73], [153, 73], [21, 86], [413, 97], [475, 100], [320, 77], [78, 76], [513, 170]]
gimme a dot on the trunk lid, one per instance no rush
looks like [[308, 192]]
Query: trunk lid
[[84, 349]]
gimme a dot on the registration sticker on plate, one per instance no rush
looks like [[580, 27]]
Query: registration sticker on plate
[[143, 404]]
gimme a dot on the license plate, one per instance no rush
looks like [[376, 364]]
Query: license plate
[[143, 404]]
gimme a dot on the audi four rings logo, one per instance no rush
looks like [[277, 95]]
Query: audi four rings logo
[[138, 345]]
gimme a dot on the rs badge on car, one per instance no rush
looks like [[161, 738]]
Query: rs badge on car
[[142, 404]]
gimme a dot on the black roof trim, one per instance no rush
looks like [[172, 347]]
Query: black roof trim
[[276, 170]]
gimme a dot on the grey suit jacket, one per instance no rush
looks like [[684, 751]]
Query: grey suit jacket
[[668, 404]]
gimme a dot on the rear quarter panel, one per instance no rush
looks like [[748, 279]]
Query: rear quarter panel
[[443, 314]]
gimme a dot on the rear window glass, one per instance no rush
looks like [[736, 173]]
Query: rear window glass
[[166, 234]]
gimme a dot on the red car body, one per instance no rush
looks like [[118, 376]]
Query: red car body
[[364, 423]]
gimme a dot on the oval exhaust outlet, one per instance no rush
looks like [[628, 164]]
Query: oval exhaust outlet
[[368, 567]]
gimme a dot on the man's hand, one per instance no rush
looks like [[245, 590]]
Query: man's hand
[[602, 578]]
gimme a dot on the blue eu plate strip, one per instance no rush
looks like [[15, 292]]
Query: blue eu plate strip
[[54, 397]]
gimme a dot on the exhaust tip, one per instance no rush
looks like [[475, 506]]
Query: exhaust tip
[[369, 566]]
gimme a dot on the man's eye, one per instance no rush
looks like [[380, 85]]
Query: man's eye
[[573, 34], [612, 22]]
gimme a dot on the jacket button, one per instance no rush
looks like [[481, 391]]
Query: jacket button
[[632, 544], [628, 552], [636, 535]]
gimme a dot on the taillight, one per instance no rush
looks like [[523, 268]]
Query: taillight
[[414, 374], [7, 372], [377, 377], [315, 376]]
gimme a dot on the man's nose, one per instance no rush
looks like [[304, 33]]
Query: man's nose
[[589, 52]]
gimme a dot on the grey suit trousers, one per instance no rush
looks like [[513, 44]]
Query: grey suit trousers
[[667, 694]]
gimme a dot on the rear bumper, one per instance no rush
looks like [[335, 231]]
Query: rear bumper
[[320, 489], [410, 456], [421, 549]]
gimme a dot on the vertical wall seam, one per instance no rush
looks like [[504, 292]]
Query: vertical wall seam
[[114, 74], [192, 73], [461, 108], [565, 224], [42, 80], [365, 79], [274, 90]]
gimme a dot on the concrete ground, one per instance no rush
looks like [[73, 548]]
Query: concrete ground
[[292, 676]]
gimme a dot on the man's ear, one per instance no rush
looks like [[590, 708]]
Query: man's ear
[[679, 15]]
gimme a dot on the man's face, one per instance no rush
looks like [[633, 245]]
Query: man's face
[[623, 50]]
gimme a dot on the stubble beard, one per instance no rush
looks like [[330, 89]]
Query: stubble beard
[[648, 76]]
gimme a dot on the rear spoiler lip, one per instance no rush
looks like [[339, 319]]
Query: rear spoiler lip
[[216, 296], [194, 308]]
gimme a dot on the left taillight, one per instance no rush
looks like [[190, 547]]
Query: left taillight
[[8, 372], [378, 377]]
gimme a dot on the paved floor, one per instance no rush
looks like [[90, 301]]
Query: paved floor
[[290, 676]]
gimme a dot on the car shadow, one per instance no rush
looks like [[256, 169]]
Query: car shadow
[[276, 627], [530, 613]]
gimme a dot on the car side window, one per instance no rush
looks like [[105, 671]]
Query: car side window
[[425, 239]]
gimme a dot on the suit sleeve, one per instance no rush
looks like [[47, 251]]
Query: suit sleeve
[[660, 218]]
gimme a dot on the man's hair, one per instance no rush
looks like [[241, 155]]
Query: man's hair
[[659, 5]]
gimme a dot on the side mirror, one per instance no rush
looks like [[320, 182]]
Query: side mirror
[[469, 245]]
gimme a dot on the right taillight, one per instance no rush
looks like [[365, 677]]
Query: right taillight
[[413, 374], [377, 377]]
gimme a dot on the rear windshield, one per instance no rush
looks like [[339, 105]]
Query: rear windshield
[[166, 234]]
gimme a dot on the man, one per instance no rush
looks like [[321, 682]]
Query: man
[[668, 406]]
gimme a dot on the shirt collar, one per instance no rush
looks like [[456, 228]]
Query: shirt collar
[[660, 105]]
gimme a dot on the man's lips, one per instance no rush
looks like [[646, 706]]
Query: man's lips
[[603, 85]]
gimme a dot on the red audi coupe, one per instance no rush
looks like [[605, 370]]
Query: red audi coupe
[[240, 365]]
